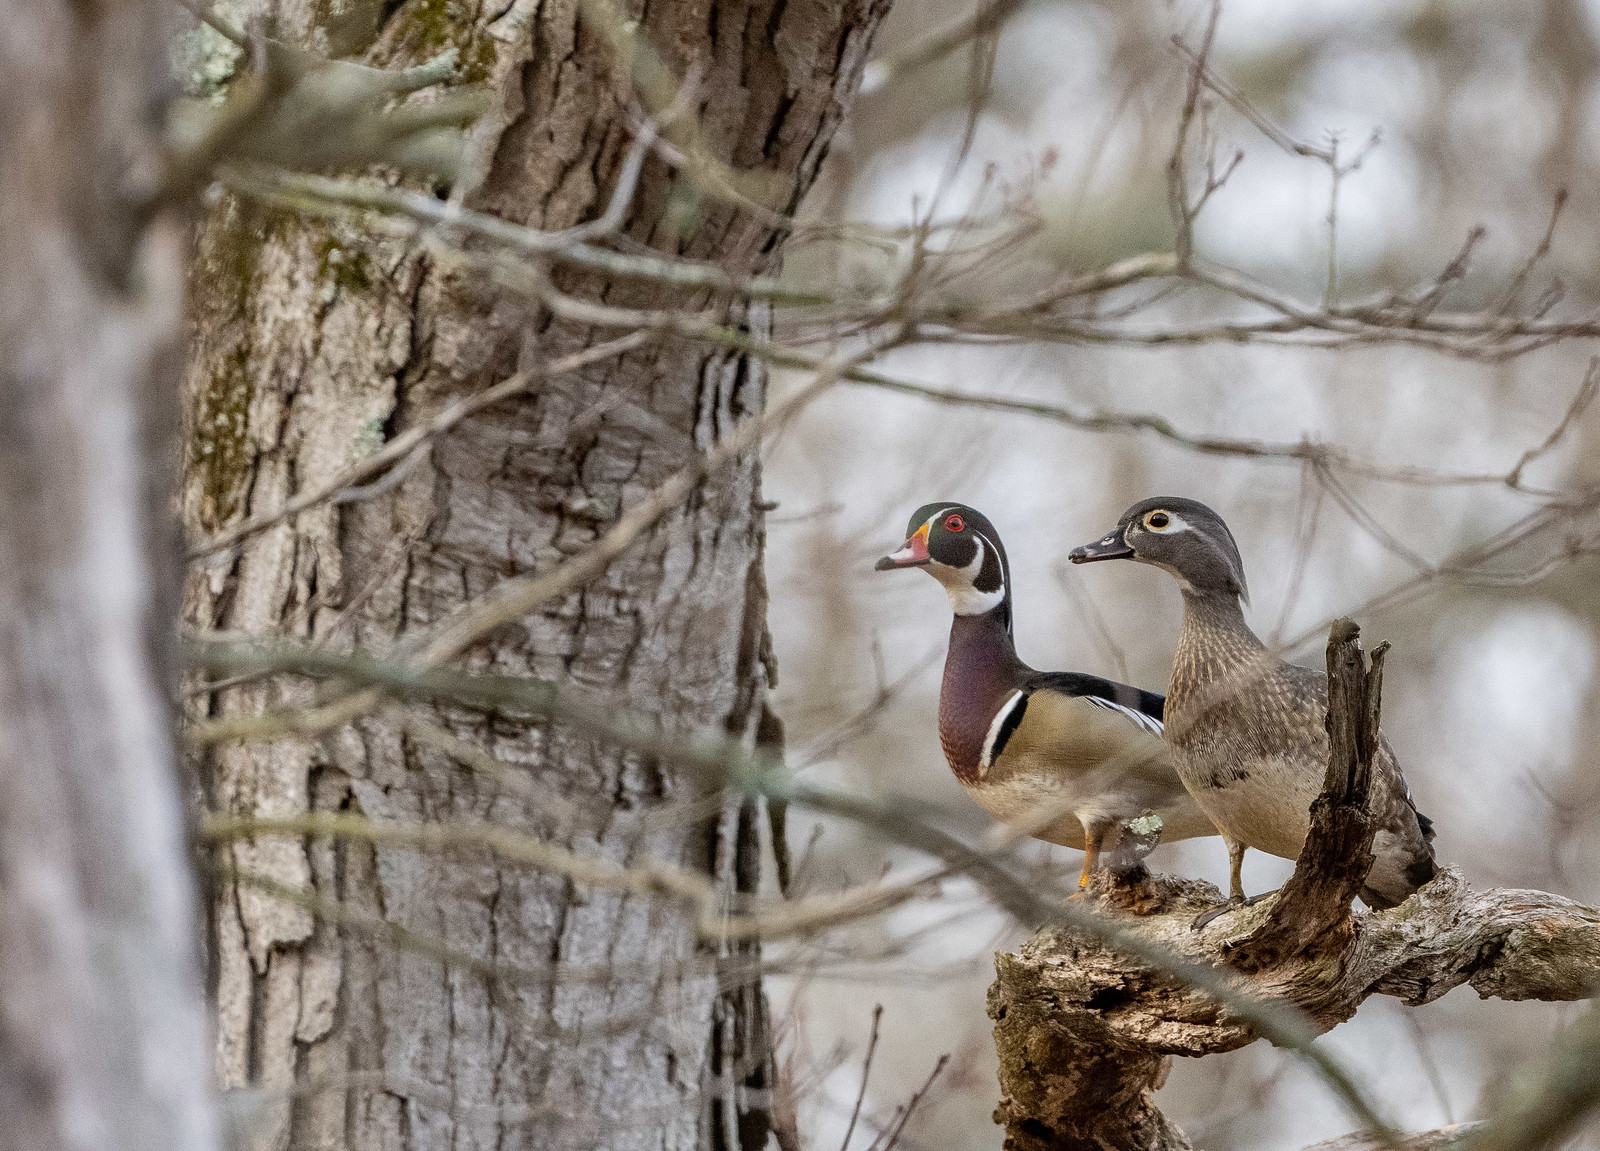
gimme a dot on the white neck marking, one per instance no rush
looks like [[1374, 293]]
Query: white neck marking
[[965, 599]]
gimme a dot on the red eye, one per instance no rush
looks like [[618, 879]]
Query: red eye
[[954, 523]]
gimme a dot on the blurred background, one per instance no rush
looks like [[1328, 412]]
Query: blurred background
[[1486, 111]]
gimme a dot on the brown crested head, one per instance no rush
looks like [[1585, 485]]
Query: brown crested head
[[1181, 535]]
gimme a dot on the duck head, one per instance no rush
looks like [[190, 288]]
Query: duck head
[[1183, 536], [959, 547]]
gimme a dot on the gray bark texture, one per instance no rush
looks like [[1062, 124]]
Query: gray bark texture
[[102, 1018], [313, 344]]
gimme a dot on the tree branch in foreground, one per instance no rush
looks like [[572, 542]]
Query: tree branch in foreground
[[722, 761]]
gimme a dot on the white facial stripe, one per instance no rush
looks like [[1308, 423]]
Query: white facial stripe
[[1175, 523], [1006, 708], [1005, 568], [1149, 722], [964, 598]]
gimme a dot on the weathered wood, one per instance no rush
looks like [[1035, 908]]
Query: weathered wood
[[314, 343], [1069, 1011], [1084, 1032], [1122, 881], [102, 1023], [1312, 913]]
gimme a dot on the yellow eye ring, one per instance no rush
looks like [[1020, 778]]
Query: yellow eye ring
[[1157, 520]]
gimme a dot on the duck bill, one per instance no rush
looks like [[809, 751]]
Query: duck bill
[[1112, 547], [913, 555]]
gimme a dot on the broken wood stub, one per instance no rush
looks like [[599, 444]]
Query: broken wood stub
[[1312, 913], [1083, 1046], [1122, 881], [1084, 1031]]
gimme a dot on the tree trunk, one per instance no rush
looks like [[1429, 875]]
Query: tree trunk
[[313, 345], [102, 1022]]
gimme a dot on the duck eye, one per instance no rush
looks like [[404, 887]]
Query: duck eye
[[954, 523], [1157, 520]]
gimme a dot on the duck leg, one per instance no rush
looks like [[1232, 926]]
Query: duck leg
[[1094, 837], [1236, 897]]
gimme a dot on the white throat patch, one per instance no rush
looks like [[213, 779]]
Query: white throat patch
[[964, 598]]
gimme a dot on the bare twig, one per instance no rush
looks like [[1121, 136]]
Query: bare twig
[[1305, 533], [866, 1071], [984, 20], [890, 1136], [1514, 289], [330, 196], [714, 919], [1183, 212], [1099, 420], [1575, 410]]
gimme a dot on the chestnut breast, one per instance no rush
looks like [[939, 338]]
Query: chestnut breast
[[980, 672]]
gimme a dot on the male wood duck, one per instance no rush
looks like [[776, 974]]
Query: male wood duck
[[1247, 729], [1026, 744]]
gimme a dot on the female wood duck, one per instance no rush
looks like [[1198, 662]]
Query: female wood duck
[[1245, 728], [1077, 750]]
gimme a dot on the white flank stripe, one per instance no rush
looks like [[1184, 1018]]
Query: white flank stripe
[[1149, 722], [995, 724]]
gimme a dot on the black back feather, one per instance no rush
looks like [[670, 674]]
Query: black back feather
[[1077, 683]]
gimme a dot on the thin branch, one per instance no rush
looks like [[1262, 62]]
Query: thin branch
[[1093, 420], [1575, 410], [328, 196], [866, 1071], [782, 919], [892, 1136], [1183, 212], [1514, 289], [1305, 534], [1486, 335], [829, 743], [984, 20]]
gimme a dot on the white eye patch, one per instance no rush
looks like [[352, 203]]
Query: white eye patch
[[1174, 522]]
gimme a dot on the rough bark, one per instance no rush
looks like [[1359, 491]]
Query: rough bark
[[312, 345], [1071, 1014], [102, 1021]]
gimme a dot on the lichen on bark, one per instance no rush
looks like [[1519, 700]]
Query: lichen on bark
[[624, 1038]]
